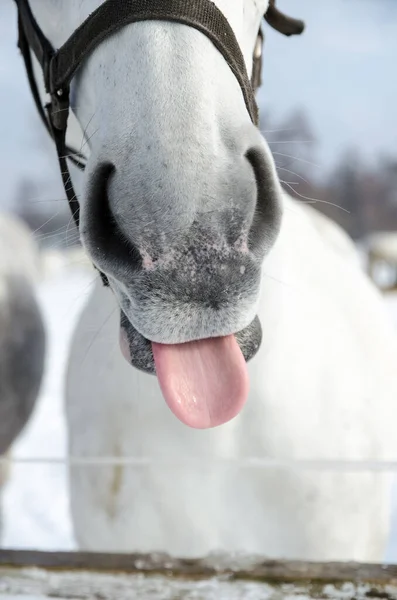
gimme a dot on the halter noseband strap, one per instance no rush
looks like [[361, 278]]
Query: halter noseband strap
[[59, 66]]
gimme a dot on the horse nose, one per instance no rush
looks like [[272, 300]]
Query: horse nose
[[116, 213]]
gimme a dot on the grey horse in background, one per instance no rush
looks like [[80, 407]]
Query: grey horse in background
[[22, 333]]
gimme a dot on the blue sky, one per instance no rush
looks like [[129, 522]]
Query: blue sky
[[342, 70], [24, 147]]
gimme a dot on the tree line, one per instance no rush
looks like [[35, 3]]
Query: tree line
[[360, 196]]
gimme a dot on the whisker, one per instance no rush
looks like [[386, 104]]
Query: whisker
[[293, 173], [97, 333], [33, 201], [72, 243], [67, 109], [317, 200], [275, 279], [277, 130], [84, 290], [292, 142], [88, 139], [298, 159], [289, 182], [85, 132], [45, 223], [58, 235], [84, 142], [58, 231], [71, 221]]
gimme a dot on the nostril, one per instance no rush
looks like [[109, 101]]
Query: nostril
[[267, 217], [102, 235]]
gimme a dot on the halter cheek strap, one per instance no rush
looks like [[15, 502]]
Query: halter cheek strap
[[59, 66]]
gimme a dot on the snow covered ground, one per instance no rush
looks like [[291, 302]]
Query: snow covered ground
[[35, 501]]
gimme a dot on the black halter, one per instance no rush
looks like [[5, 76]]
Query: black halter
[[59, 66]]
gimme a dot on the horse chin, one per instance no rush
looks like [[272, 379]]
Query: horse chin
[[137, 350]]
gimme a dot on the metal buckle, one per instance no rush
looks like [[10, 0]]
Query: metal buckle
[[256, 79], [258, 46], [59, 109]]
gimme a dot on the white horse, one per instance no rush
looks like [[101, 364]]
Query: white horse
[[22, 335], [186, 223]]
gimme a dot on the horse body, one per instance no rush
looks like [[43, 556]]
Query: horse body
[[181, 209], [312, 396]]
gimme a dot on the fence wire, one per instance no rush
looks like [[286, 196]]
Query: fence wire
[[341, 465]]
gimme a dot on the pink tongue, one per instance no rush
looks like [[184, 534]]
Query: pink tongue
[[205, 382]]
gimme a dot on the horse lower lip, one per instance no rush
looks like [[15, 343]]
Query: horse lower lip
[[137, 350]]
